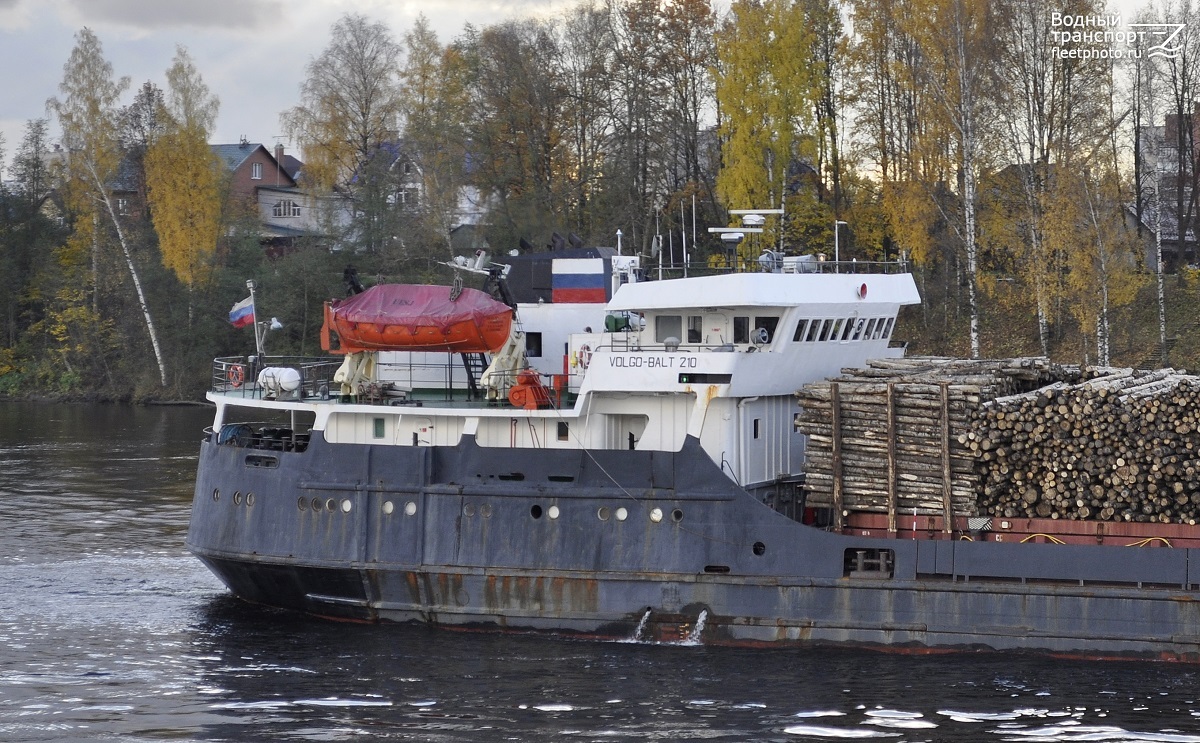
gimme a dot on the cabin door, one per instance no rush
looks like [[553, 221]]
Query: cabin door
[[716, 329]]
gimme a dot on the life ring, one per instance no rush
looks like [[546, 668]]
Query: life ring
[[585, 356], [236, 375]]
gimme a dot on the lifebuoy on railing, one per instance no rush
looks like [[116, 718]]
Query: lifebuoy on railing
[[585, 356], [236, 375]]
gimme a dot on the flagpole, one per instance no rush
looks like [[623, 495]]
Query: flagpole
[[258, 332]]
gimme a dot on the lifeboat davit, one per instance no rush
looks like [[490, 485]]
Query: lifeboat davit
[[416, 317]]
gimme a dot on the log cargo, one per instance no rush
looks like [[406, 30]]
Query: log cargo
[[412, 317], [1006, 438]]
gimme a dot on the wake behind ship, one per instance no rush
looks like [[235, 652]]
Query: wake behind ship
[[626, 460]]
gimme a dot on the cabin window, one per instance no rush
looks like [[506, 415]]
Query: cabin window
[[847, 328], [756, 427], [768, 324], [814, 330], [870, 334], [564, 431], [741, 330], [695, 328], [256, 171], [668, 326], [834, 331], [800, 328], [378, 427], [533, 345], [858, 329]]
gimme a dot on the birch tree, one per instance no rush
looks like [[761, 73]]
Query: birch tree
[[764, 80], [956, 42], [350, 108], [433, 82], [87, 114], [184, 176]]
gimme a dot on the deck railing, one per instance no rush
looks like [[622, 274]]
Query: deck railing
[[238, 375]]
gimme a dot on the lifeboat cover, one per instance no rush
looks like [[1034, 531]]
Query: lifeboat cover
[[418, 317]]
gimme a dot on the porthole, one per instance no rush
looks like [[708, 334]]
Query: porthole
[[302, 503], [485, 511], [759, 548], [410, 509], [536, 511], [677, 515], [237, 498], [330, 505], [603, 513], [249, 499], [316, 504], [622, 514], [468, 510], [656, 515], [216, 494], [388, 507], [553, 512], [346, 505]]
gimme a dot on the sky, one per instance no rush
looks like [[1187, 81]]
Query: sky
[[251, 53]]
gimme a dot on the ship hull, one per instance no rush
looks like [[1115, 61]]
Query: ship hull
[[532, 541]]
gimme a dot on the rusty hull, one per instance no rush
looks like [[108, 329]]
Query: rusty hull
[[434, 535]]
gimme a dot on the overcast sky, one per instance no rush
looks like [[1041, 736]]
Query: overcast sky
[[251, 53]]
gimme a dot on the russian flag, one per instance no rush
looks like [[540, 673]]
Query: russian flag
[[242, 313], [579, 280]]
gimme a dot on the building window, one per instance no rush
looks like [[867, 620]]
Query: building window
[[123, 207], [256, 171], [286, 208]]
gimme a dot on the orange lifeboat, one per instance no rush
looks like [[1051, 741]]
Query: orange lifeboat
[[416, 317]]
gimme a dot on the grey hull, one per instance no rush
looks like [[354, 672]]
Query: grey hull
[[533, 540]]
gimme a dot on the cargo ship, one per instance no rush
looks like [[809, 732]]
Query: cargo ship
[[629, 464]]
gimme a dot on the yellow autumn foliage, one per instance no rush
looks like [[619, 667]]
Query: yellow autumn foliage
[[183, 178]]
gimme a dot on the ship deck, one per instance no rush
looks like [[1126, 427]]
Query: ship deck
[[234, 379]]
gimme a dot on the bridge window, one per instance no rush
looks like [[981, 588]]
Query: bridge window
[[800, 328], [667, 326], [814, 330], [768, 324], [741, 330], [833, 332]]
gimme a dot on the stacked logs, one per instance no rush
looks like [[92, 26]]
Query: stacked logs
[[889, 438], [1007, 438], [1122, 445]]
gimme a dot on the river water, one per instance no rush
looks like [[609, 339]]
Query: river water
[[109, 630]]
